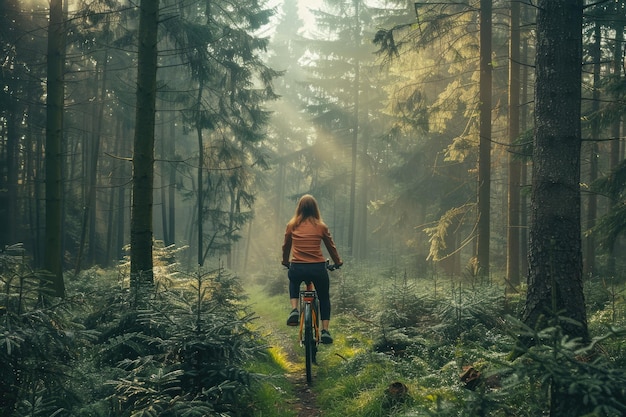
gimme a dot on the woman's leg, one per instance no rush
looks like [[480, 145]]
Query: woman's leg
[[294, 296], [323, 293], [295, 278], [322, 286]]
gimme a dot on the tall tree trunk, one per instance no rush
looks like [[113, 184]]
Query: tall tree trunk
[[365, 180], [355, 132], [362, 214], [141, 233], [89, 209], [34, 167], [248, 242], [95, 157], [555, 280], [10, 200], [116, 200], [280, 188], [11, 112], [200, 201], [163, 187], [172, 185], [353, 169], [111, 218], [53, 258], [513, 227], [524, 113], [484, 158], [616, 128], [190, 226], [589, 260], [233, 210], [122, 206]]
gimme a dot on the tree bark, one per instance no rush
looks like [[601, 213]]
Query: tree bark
[[616, 131], [171, 169], [589, 260], [555, 278], [524, 115], [53, 257], [200, 200], [141, 233], [89, 209], [163, 187], [9, 201], [122, 196], [513, 227], [484, 158]]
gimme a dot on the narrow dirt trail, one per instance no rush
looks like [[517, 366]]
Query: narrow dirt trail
[[305, 405], [282, 338]]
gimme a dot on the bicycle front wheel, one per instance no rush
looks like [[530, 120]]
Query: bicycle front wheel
[[309, 342]]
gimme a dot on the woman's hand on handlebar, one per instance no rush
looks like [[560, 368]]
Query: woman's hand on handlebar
[[332, 267]]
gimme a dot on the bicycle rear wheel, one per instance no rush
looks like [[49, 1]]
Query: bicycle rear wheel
[[309, 342]]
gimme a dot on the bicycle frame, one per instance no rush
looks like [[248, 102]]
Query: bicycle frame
[[309, 296], [309, 334]]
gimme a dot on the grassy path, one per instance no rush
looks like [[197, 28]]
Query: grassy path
[[272, 313]]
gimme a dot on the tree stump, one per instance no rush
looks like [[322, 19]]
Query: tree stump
[[396, 393]]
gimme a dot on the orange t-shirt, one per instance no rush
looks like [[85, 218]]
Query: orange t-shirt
[[304, 244]]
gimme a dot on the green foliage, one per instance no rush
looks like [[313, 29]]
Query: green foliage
[[351, 288], [188, 354], [469, 312], [604, 297], [273, 280], [39, 341], [192, 350], [575, 379], [428, 340], [357, 387], [613, 224], [270, 395]]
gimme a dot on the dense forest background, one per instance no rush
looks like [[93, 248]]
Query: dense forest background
[[388, 142], [138, 136]]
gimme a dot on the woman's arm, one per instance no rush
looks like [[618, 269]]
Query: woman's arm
[[286, 247], [330, 246]]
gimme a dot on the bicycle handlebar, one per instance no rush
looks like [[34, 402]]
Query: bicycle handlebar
[[331, 267]]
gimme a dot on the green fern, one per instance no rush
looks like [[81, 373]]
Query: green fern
[[198, 342]]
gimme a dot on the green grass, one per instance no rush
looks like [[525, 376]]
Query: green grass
[[342, 387], [273, 395], [349, 380], [352, 379]]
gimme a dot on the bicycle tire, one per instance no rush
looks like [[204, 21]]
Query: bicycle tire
[[316, 328], [309, 342]]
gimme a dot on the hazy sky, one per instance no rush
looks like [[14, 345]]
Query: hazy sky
[[303, 7]]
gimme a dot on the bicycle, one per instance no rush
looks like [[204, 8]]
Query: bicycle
[[309, 335]]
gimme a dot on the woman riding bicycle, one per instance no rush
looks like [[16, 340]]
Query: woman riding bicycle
[[302, 254]]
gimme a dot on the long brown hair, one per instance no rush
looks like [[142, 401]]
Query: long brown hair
[[307, 209]]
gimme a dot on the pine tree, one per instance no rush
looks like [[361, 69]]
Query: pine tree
[[53, 262], [555, 285]]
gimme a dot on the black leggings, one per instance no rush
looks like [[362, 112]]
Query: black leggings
[[318, 275]]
